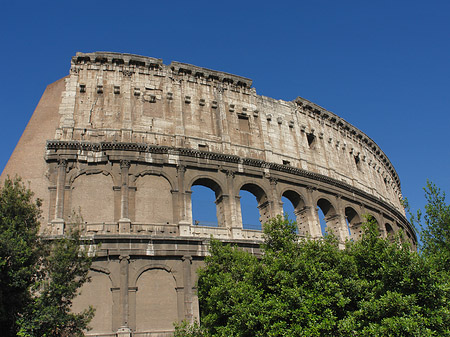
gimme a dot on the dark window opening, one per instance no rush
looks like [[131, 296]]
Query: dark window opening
[[311, 139]]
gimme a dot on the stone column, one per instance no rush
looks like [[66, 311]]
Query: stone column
[[58, 222], [184, 224], [230, 210], [341, 223], [303, 222], [313, 217], [277, 207], [188, 310], [124, 222], [124, 330]]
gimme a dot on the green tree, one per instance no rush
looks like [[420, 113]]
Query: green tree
[[435, 226], [39, 276], [64, 270], [19, 251], [373, 287]]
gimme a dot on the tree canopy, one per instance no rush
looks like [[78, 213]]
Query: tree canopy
[[39, 277], [373, 287]]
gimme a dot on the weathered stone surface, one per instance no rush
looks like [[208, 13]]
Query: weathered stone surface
[[122, 140]]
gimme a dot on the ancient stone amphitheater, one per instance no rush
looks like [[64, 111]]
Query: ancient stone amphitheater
[[124, 138]]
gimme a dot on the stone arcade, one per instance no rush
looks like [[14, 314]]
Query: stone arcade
[[123, 138]]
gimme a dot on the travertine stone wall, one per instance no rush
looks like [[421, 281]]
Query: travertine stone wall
[[124, 98], [122, 140]]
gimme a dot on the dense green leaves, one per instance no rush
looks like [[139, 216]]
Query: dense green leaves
[[373, 287], [19, 250], [435, 226], [39, 278]]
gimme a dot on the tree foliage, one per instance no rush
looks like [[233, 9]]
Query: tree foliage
[[39, 276], [19, 250], [373, 287], [435, 226]]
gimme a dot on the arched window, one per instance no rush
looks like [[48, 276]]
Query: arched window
[[294, 207], [327, 217], [249, 211], [207, 209], [354, 223], [253, 214]]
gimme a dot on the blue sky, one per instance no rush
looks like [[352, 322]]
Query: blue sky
[[384, 66]]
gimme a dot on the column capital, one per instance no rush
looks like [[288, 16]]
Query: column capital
[[62, 162], [125, 164], [181, 168], [186, 258], [124, 258]]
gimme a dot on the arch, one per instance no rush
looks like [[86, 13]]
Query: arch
[[295, 198], [153, 201], [256, 190], [92, 193], [160, 173], [156, 300], [389, 230], [298, 203], [330, 221], [152, 265], [204, 206], [74, 174], [207, 181], [354, 222], [262, 206]]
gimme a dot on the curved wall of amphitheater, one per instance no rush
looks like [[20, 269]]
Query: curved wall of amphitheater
[[123, 138]]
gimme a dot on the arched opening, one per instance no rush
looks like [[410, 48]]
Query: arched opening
[[327, 217], [207, 208], [294, 208], [289, 211], [390, 233], [389, 230], [354, 223], [254, 207]]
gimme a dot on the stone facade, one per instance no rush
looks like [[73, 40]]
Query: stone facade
[[123, 139]]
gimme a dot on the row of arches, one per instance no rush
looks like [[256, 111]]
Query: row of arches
[[252, 200], [171, 195]]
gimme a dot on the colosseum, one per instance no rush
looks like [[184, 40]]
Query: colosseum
[[123, 139]]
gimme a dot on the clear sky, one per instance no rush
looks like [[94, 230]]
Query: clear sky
[[384, 66]]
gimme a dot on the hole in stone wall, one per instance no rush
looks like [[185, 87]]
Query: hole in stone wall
[[353, 222], [289, 211], [311, 139], [204, 212], [326, 212], [249, 211], [323, 223]]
